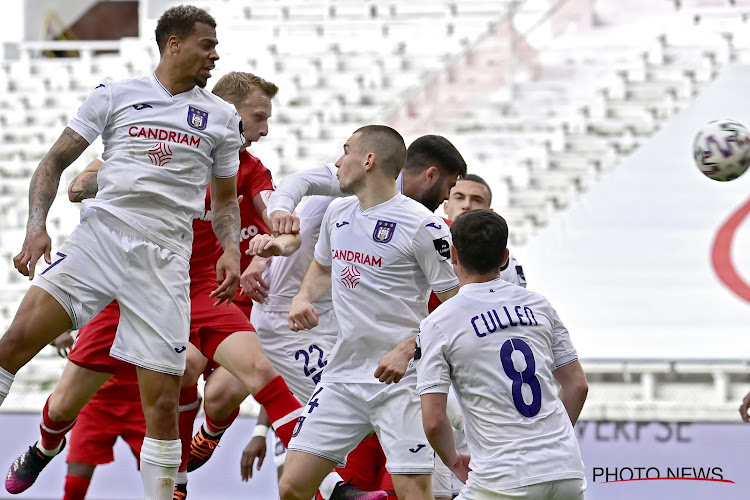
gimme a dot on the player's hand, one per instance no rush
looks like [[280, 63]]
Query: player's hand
[[461, 468], [393, 365], [256, 448], [302, 315], [744, 408], [36, 244], [263, 245], [227, 276], [284, 222], [252, 282], [63, 343]]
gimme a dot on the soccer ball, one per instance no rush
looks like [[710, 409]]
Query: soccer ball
[[722, 150]]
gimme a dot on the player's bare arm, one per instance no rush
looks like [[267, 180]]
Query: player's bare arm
[[85, 184], [265, 245], [42, 191], [302, 314], [439, 433], [393, 365], [744, 407], [573, 388], [226, 226]]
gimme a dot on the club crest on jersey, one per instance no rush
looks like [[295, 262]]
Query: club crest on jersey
[[197, 118], [383, 231]]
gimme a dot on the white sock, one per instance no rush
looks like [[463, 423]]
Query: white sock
[[6, 378], [328, 484], [49, 453], [160, 460], [181, 478]]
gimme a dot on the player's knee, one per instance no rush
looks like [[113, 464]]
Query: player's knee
[[58, 411], [263, 367], [220, 404], [289, 491]]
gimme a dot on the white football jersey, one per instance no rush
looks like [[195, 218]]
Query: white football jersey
[[285, 274], [384, 262], [498, 345], [513, 272], [159, 153]]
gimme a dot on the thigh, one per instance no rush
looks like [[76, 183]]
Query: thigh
[[397, 418], [303, 473], [154, 311], [332, 423]]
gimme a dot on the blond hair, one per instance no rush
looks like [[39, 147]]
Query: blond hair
[[237, 86]]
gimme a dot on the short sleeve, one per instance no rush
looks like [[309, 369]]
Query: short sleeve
[[227, 152], [431, 246], [91, 118], [562, 347], [323, 246], [433, 369]]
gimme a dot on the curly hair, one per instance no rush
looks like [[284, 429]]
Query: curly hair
[[180, 21]]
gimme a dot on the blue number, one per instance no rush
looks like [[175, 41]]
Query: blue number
[[308, 369], [527, 376]]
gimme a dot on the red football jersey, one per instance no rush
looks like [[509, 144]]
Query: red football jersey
[[252, 179]]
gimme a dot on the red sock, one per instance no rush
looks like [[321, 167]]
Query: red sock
[[53, 432], [282, 407], [189, 407], [216, 427], [76, 487]]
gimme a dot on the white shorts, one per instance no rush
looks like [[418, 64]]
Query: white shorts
[[561, 489], [279, 456], [103, 260], [340, 415], [442, 480], [299, 357]]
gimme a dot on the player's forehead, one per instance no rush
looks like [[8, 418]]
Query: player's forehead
[[469, 188], [352, 140], [202, 33]]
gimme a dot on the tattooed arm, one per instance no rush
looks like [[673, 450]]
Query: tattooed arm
[[85, 184], [226, 225], [44, 184]]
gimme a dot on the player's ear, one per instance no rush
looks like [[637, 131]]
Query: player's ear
[[505, 258], [430, 172], [454, 255]]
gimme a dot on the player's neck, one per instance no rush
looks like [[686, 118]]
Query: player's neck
[[468, 278], [174, 85], [376, 193]]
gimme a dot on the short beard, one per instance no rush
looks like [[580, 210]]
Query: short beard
[[201, 83], [432, 198], [354, 186]]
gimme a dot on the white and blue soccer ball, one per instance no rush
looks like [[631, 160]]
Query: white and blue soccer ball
[[722, 150]]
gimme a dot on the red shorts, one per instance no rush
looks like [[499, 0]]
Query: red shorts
[[112, 412], [91, 348], [365, 467], [210, 325]]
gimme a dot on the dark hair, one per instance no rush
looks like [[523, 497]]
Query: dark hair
[[387, 144], [180, 21], [435, 150], [480, 238], [479, 180]]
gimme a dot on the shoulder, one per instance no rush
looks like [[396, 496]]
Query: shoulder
[[343, 204], [126, 87], [217, 104]]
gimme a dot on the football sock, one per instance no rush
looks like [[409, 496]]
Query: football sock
[[160, 460], [52, 432], [189, 406], [282, 407], [6, 378], [217, 427], [76, 487]]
